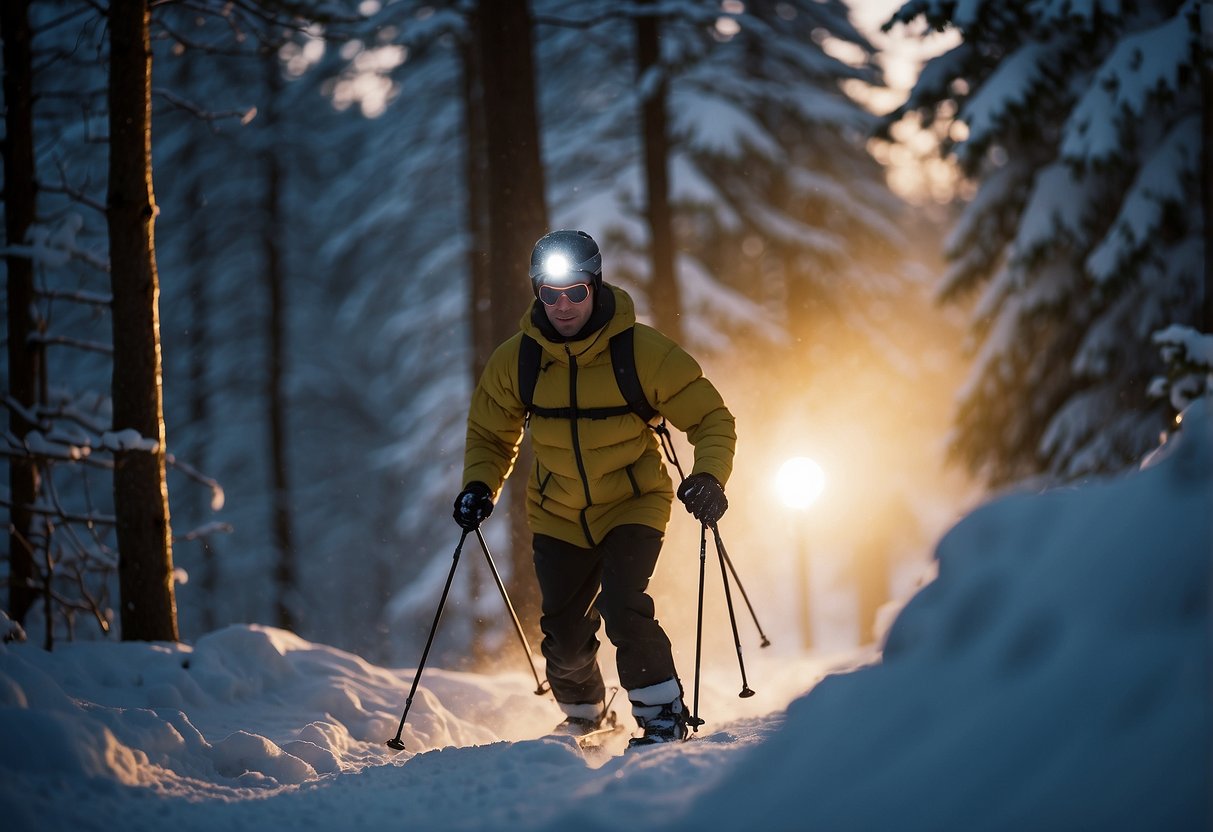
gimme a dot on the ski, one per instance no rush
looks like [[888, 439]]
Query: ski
[[605, 724], [592, 740]]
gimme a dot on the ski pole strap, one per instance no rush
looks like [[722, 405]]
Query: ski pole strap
[[667, 446]]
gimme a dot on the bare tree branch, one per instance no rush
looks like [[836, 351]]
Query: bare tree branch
[[204, 531], [66, 341], [67, 517], [245, 116], [78, 195], [81, 297]]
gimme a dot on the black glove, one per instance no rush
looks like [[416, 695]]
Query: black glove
[[473, 505], [703, 495]]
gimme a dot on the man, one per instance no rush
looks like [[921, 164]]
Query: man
[[599, 496]]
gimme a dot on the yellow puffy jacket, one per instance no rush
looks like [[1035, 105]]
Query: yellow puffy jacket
[[591, 475]]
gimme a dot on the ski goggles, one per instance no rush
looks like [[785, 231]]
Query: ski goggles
[[577, 293]]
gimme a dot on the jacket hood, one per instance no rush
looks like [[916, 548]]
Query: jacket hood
[[613, 312]]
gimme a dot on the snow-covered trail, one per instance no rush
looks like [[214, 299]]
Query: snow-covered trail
[[253, 725]]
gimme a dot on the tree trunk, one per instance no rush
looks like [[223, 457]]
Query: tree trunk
[[517, 217], [285, 580], [199, 348], [200, 356], [664, 295], [1206, 170], [483, 331], [145, 563], [481, 284], [20, 195]]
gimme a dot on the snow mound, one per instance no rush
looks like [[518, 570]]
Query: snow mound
[[1055, 675], [117, 712]]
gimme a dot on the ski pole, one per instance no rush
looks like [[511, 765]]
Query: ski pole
[[695, 721], [540, 687], [395, 742], [746, 692], [667, 446], [724, 553]]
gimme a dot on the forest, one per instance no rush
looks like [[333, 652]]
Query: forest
[[257, 253]]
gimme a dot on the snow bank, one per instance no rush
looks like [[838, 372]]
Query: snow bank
[[1056, 675], [117, 712]]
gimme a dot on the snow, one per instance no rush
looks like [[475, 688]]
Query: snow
[[128, 439], [1056, 208], [1188, 355], [1055, 675], [54, 247], [1196, 346], [716, 126], [1143, 66], [1159, 183], [1013, 85]]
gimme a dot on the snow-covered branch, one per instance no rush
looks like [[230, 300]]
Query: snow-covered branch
[[1189, 358], [54, 248]]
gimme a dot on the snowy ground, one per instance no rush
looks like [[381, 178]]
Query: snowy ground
[[1056, 675], [253, 725]]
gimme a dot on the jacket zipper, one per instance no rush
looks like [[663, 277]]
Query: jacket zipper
[[585, 481]]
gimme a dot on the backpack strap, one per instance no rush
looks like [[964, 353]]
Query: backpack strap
[[623, 359], [529, 356]]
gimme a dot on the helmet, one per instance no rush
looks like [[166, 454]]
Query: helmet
[[565, 257]]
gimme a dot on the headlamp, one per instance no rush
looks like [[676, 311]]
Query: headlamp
[[557, 265]]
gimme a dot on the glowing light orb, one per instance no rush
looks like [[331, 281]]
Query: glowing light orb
[[557, 265], [799, 482]]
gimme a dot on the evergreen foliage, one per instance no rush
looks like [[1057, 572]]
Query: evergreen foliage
[[1080, 123], [771, 182]]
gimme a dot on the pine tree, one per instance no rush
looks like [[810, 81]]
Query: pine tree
[[1081, 125], [770, 181]]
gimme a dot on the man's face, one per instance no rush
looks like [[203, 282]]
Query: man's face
[[566, 316]]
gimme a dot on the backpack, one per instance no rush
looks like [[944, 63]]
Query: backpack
[[623, 359]]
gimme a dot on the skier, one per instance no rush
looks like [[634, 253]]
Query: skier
[[599, 496]]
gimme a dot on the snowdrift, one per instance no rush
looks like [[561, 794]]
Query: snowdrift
[[1056, 675]]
